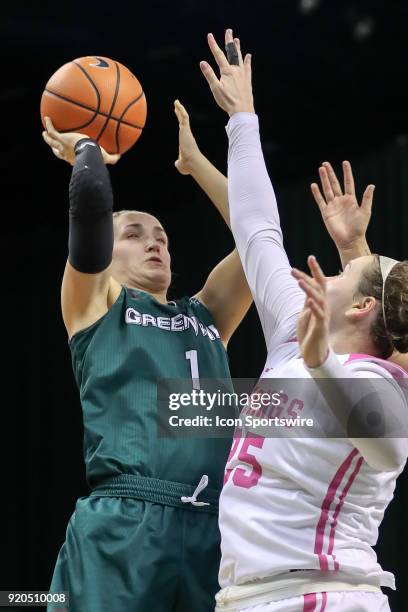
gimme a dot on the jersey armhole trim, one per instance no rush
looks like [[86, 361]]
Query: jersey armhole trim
[[200, 303]]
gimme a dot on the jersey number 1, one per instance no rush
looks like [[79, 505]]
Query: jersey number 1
[[191, 356]]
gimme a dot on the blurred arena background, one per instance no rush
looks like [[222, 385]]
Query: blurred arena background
[[330, 84]]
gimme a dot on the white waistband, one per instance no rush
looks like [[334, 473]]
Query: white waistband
[[290, 584]]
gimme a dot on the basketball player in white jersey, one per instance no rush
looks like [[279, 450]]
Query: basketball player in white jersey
[[298, 517]]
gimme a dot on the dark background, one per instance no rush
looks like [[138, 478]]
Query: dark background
[[329, 81]]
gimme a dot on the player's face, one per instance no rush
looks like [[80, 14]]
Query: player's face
[[140, 253], [343, 288]]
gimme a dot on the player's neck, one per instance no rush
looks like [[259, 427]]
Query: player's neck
[[160, 297], [344, 342]]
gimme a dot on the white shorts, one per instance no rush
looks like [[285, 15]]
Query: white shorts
[[334, 601]]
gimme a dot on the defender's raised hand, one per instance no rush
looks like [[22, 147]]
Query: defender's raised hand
[[344, 219], [233, 90], [313, 322], [63, 144]]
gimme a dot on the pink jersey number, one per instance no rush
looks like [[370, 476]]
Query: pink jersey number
[[241, 477]]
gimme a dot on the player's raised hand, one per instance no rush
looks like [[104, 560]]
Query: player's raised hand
[[233, 90], [344, 219], [313, 322], [188, 148], [63, 144]]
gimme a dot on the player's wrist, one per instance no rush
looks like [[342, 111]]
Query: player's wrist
[[352, 243], [82, 142], [358, 247], [319, 359], [194, 161], [242, 108]]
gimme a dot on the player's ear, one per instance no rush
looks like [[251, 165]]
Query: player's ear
[[361, 308]]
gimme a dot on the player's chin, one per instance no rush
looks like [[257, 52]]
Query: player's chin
[[160, 278]]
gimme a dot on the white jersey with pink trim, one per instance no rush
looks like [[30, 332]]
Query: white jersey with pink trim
[[294, 503], [303, 503]]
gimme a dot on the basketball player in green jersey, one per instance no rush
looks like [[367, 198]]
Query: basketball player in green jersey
[[146, 539]]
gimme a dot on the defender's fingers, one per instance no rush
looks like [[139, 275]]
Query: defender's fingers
[[312, 293], [349, 187], [217, 53], [367, 201], [209, 74], [248, 66], [232, 49], [229, 37], [308, 281], [327, 189], [333, 179], [317, 310], [316, 270], [298, 274], [238, 47], [306, 314], [319, 199], [304, 318]]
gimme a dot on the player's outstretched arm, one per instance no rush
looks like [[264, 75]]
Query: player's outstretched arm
[[191, 161], [88, 289], [344, 219], [253, 209], [226, 293]]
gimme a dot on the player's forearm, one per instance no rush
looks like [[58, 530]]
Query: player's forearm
[[256, 228], [213, 183], [358, 248], [252, 201], [90, 214]]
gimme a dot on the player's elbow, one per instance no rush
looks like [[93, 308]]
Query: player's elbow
[[385, 464], [383, 455], [264, 238]]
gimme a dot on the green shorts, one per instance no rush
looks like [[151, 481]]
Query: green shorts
[[124, 554]]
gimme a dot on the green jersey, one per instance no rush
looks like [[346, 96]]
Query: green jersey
[[117, 362]]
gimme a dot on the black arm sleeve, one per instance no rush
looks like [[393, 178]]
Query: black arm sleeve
[[90, 242]]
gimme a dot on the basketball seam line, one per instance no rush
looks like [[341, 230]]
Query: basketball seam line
[[115, 97], [82, 69], [139, 127], [117, 86], [95, 111], [120, 120]]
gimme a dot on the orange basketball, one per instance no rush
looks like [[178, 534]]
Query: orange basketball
[[97, 97]]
